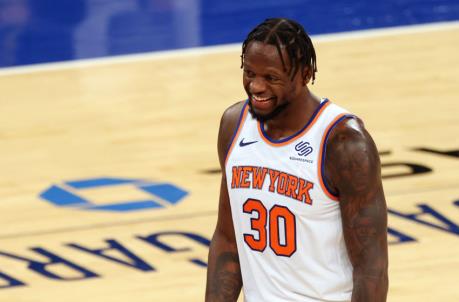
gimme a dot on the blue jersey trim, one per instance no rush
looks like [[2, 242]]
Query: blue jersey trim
[[274, 141], [324, 151]]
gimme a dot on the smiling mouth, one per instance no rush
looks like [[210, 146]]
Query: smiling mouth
[[261, 99]]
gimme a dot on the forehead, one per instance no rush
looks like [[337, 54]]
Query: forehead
[[262, 55]]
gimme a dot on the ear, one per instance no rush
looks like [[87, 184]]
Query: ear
[[306, 75]]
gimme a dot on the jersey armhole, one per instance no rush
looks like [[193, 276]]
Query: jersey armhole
[[323, 151], [237, 130]]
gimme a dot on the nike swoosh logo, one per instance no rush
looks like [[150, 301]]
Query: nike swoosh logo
[[242, 144]]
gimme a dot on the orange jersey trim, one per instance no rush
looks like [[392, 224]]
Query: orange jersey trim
[[296, 135], [321, 154], [241, 121]]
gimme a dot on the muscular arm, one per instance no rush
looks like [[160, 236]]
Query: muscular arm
[[224, 281], [353, 170]]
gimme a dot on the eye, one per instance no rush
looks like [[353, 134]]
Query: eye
[[272, 78], [248, 73]]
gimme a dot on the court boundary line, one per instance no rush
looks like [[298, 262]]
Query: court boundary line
[[104, 225], [205, 50]]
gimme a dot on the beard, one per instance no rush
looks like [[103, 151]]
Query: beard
[[266, 117]]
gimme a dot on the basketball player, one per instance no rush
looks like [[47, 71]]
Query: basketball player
[[302, 214]]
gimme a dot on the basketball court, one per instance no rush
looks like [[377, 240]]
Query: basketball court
[[111, 178]]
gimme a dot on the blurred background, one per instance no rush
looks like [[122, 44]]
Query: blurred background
[[38, 31]]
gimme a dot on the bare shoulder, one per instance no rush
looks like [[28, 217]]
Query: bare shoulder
[[350, 128], [355, 169], [228, 124], [230, 118], [352, 160]]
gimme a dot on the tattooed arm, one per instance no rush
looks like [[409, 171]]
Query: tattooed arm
[[353, 170], [224, 281]]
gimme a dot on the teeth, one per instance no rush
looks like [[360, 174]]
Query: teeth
[[260, 99]]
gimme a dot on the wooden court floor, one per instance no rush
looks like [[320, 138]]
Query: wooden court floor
[[157, 118]]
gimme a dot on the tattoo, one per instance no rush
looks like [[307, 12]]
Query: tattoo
[[227, 281], [365, 226], [355, 167], [366, 240], [360, 293]]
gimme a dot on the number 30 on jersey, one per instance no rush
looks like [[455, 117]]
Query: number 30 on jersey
[[282, 228]]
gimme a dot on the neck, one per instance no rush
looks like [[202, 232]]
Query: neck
[[294, 118]]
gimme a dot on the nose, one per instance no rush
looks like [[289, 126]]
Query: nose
[[257, 85]]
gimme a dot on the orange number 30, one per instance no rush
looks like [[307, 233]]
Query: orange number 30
[[278, 215]]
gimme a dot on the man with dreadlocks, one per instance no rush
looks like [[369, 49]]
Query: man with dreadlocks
[[302, 214]]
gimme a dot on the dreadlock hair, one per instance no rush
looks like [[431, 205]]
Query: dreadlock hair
[[286, 33]]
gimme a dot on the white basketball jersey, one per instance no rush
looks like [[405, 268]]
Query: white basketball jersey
[[287, 223]]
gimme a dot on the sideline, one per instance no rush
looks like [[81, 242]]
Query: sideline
[[204, 50]]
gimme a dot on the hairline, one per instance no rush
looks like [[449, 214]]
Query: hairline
[[284, 63]]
